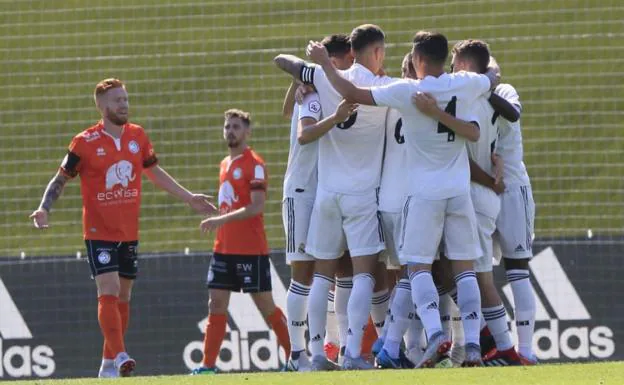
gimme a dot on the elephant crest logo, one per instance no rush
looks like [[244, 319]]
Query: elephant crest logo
[[119, 173], [227, 195]]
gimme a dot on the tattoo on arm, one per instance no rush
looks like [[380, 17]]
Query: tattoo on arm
[[53, 191], [290, 64]]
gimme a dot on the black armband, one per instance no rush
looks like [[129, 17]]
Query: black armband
[[307, 74]]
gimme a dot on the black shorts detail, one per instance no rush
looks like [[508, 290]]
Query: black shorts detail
[[246, 273], [107, 256]]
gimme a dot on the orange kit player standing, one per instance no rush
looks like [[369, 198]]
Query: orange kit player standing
[[110, 158], [241, 255]]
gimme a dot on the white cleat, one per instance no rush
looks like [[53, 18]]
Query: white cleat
[[437, 347], [300, 364], [358, 363], [321, 364], [124, 364], [107, 369]]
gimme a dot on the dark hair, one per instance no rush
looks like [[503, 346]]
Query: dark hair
[[236, 113], [475, 50], [365, 35], [337, 45], [432, 45]]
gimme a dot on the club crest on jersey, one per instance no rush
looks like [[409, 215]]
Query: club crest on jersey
[[314, 106], [227, 195], [133, 147], [104, 257], [237, 173]]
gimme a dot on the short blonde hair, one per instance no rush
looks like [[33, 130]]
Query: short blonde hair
[[236, 113]]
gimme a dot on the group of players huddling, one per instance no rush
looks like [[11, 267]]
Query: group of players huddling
[[415, 182], [398, 195]]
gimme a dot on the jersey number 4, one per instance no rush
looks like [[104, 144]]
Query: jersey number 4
[[451, 107]]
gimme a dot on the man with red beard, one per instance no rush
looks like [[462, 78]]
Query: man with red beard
[[110, 158]]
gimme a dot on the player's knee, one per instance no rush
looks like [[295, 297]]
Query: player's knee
[[217, 305], [108, 284], [302, 272], [516, 264], [325, 267]]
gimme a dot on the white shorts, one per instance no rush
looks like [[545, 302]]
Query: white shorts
[[424, 222], [515, 222], [296, 213], [341, 222], [392, 232]]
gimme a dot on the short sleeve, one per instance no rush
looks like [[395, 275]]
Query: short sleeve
[[71, 164], [395, 95], [258, 174], [466, 112], [310, 107], [509, 93], [148, 153]]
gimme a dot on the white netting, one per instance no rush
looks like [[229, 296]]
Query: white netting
[[186, 62]]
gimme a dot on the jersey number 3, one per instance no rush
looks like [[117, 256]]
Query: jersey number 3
[[451, 107]]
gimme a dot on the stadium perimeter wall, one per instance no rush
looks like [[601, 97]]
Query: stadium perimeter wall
[[48, 324]]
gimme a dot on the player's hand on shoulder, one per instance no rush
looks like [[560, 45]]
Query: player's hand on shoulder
[[210, 224], [202, 204], [317, 53], [426, 103], [40, 219], [344, 110], [301, 92]]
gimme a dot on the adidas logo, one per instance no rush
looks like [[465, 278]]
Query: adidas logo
[[472, 316], [252, 345], [519, 248], [432, 306], [20, 360], [316, 338], [298, 323], [579, 341]]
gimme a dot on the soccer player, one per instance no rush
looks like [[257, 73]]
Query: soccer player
[[307, 125], [110, 158], [241, 255], [515, 225], [391, 200], [439, 179], [345, 212], [474, 56]]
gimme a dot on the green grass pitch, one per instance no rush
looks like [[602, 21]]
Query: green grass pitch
[[571, 374]]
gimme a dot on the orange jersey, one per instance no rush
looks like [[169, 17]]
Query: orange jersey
[[238, 178], [110, 180]]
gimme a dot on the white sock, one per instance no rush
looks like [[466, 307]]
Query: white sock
[[317, 312], [342, 293], [415, 335], [379, 309], [469, 301], [384, 330], [402, 311], [496, 319], [524, 309], [296, 313], [445, 310], [359, 309], [331, 334], [458, 328], [426, 300]]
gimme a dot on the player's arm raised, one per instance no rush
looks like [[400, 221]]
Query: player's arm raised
[[256, 207], [353, 94], [428, 105], [162, 180], [290, 64], [309, 129], [289, 100]]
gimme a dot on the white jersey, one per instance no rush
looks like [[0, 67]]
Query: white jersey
[[392, 188], [437, 160], [350, 154], [485, 200], [301, 172], [510, 142]]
